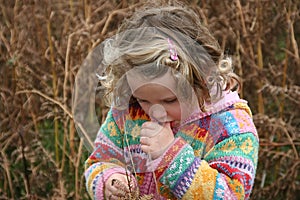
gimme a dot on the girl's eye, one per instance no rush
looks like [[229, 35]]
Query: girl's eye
[[142, 101], [170, 100]]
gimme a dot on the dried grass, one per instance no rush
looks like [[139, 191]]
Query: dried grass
[[42, 45]]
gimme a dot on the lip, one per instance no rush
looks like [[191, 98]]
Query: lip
[[174, 124]]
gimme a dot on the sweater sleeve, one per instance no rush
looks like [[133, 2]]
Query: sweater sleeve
[[225, 171], [106, 159]]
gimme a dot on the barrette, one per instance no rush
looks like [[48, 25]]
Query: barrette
[[173, 53]]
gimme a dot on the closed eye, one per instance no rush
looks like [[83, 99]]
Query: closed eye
[[142, 100], [173, 100]]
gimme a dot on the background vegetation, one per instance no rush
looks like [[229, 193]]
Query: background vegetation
[[43, 43]]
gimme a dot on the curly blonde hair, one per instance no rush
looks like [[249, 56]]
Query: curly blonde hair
[[142, 40]]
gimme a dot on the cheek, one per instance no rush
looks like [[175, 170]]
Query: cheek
[[174, 112], [145, 107], [176, 115]]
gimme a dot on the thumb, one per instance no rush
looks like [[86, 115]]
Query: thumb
[[167, 125], [158, 113]]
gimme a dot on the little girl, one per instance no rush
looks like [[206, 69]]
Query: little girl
[[176, 128]]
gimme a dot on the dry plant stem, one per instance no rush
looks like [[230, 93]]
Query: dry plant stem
[[33, 45], [292, 34], [276, 144], [66, 110], [14, 32], [77, 169], [285, 66], [105, 6], [26, 179], [54, 84], [39, 31], [86, 10], [65, 128], [71, 4], [292, 144], [260, 63], [33, 116], [110, 16], [240, 72], [7, 170], [72, 137], [6, 44], [6, 20], [91, 143], [129, 180], [61, 184], [71, 159], [122, 12], [65, 92], [244, 29], [67, 74]]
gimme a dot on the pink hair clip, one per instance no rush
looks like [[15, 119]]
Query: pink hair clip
[[173, 53]]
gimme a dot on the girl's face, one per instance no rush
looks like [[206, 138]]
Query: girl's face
[[157, 97]]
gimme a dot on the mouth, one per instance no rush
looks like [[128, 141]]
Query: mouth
[[174, 124]]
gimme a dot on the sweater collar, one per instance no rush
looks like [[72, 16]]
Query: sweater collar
[[229, 98]]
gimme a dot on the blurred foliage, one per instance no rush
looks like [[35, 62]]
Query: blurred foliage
[[43, 43]]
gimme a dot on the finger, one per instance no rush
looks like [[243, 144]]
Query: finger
[[115, 193], [144, 132], [122, 187], [152, 153], [144, 141], [167, 125], [145, 148], [150, 130], [114, 197], [108, 195], [150, 125], [157, 113], [113, 188]]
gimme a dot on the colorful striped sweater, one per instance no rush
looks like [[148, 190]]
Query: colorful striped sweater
[[214, 155]]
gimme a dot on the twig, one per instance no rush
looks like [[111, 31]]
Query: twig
[[7, 170], [48, 98], [122, 11], [25, 164], [276, 144], [77, 169]]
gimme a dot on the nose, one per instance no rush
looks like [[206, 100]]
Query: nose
[[158, 113]]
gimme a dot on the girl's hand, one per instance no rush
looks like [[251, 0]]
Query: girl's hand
[[156, 138], [116, 186]]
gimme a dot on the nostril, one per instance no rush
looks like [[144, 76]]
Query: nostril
[[158, 113]]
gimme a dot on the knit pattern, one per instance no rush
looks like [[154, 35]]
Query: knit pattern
[[212, 157]]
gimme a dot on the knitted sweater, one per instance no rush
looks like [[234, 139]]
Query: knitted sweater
[[213, 156]]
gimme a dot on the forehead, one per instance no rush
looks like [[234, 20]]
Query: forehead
[[136, 80], [154, 92]]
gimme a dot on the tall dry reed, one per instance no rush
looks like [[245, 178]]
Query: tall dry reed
[[43, 43]]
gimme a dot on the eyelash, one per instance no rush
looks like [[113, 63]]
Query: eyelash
[[171, 101], [165, 101], [142, 101]]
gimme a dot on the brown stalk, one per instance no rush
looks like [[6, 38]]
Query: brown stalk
[[54, 84], [244, 29], [7, 171], [121, 12], [260, 63], [77, 169], [285, 66], [66, 110]]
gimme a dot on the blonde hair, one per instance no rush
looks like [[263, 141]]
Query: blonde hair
[[142, 40]]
